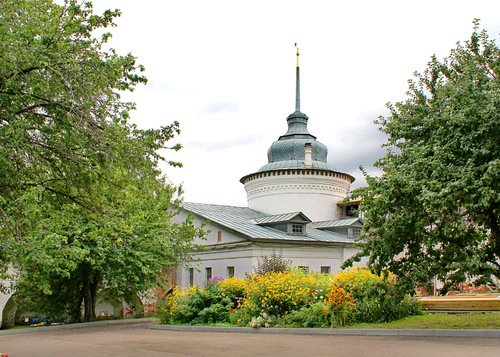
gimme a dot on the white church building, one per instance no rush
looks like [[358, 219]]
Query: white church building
[[295, 207]]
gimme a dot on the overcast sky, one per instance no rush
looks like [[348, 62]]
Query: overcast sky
[[225, 69]]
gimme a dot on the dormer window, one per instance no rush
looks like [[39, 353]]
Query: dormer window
[[297, 228], [290, 223]]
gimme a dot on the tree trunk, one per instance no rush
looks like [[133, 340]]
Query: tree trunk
[[88, 312], [90, 287], [76, 309], [93, 292]]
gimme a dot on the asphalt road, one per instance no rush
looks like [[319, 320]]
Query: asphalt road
[[136, 340]]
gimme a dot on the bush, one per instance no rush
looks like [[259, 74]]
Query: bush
[[376, 299], [233, 288], [316, 315], [272, 264], [243, 315], [291, 298], [279, 293], [196, 305], [173, 308]]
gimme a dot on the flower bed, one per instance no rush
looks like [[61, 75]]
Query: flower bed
[[291, 298]]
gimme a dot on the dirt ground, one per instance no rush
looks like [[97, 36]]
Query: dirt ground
[[137, 340]]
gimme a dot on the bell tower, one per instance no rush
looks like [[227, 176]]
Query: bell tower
[[297, 176]]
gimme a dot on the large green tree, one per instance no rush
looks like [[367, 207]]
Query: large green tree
[[83, 204], [434, 212]]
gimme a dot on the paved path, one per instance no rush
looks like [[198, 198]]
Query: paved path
[[137, 340]]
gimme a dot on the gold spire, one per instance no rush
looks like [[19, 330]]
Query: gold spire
[[297, 48]]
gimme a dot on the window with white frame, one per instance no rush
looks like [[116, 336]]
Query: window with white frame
[[355, 232], [297, 228]]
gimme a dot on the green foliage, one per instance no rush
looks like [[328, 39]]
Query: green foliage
[[196, 306], [376, 298], [435, 211], [242, 316], [83, 204], [263, 320], [293, 299], [314, 315], [278, 293], [273, 263]]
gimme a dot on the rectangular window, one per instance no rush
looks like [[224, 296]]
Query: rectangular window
[[297, 228], [352, 211], [219, 236], [230, 272], [304, 268], [356, 232], [208, 272], [325, 270], [191, 276]]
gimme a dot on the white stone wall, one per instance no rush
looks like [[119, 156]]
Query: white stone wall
[[246, 257], [241, 258], [313, 194], [4, 297]]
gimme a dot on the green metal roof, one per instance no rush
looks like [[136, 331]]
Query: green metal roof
[[336, 223], [288, 151], [282, 218], [242, 220]]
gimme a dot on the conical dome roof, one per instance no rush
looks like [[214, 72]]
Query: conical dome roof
[[288, 152]]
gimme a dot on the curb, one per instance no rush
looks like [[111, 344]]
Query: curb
[[80, 325], [334, 331]]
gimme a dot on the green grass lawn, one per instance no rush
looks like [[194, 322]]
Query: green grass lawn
[[441, 321]]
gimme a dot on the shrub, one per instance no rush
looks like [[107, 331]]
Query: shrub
[[316, 315], [273, 263], [174, 308], [376, 299], [282, 292], [217, 312], [356, 281], [196, 305], [341, 304], [243, 315], [232, 287], [291, 298]]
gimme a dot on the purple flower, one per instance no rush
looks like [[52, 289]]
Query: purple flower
[[215, 279]]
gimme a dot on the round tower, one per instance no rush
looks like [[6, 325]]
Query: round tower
[[297, 176]]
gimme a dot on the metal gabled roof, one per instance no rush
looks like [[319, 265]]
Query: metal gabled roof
[[335, 223], [282, 218], [242, 220]]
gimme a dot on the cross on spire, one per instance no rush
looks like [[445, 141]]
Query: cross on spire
[[297, 81]]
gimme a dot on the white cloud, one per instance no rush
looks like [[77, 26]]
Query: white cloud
[[225, 70]]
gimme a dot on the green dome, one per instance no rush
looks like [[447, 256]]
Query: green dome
[[288, 152]]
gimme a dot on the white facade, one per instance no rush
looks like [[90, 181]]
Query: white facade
[[315, 193], [243, 259], [229, 253]]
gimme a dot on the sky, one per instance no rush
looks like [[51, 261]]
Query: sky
[[225, 69]]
